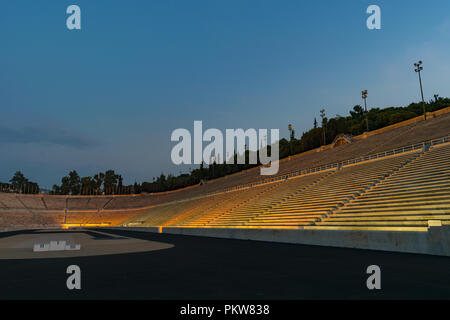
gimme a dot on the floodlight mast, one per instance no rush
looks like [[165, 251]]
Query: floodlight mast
[[292, 136], [418, 68], [364, 96]]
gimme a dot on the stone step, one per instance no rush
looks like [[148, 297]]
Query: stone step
[[410, 188], [366, 198], [439, 203], [388, 218], [267, 216], [375, 223], [367, 228], [420, 179], [405, 210]]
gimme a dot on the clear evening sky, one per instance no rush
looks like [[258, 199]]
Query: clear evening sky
[[109, 96]]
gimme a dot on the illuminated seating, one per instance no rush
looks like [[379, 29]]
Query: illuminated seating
[[385, 194], [274, 194], [100, 218], [315, 202], [411, 199], [232, 202], [160, 214], [406, 192], [24, 219], [195, 212]]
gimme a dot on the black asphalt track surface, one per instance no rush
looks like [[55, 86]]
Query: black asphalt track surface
[[212, 268]]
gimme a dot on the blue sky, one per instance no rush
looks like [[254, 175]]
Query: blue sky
[[109, 95]]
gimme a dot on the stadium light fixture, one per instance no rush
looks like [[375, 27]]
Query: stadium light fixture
[[292, 131], [418, 68]]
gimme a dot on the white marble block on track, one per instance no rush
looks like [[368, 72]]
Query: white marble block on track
[[55, 246], [39, 247], [73, 247]]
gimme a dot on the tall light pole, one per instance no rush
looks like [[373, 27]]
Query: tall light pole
[[364, 96], [292, 132], [292, 135], [322, 115], [418, 68]]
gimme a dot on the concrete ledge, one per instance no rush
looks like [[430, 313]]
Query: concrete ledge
[[434, 242], [26, 228], [141, 229]]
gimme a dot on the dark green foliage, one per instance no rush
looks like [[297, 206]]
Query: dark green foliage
[[20, 184], [101, 183]]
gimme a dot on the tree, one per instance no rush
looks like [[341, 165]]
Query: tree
[[120, 184], [65, 185], [56, 189], [21, 184], [88, 185], [110, 181], [137, 188], [18, 181], [74, 182], [161, 182], [71, 184], [98, 180], [357, 113]]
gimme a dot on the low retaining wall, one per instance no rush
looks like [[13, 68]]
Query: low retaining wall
[[141, 229], [434, 242]]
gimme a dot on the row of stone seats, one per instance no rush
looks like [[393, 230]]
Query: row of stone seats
[[24, 219], [233, 203], [54, 202], [274, 195], [143, 200], [10, 201], [93, 203], [411, 199], [292, 203], [32, 201], [215, 206], [194, 212], [100, 218], [160, 214], [311, 204], [415, 133]]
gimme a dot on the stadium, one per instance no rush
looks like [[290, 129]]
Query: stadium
[[315, 166], [387, 190]]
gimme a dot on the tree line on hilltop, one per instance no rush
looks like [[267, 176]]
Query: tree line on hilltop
[[354, 124], [20, 184]]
